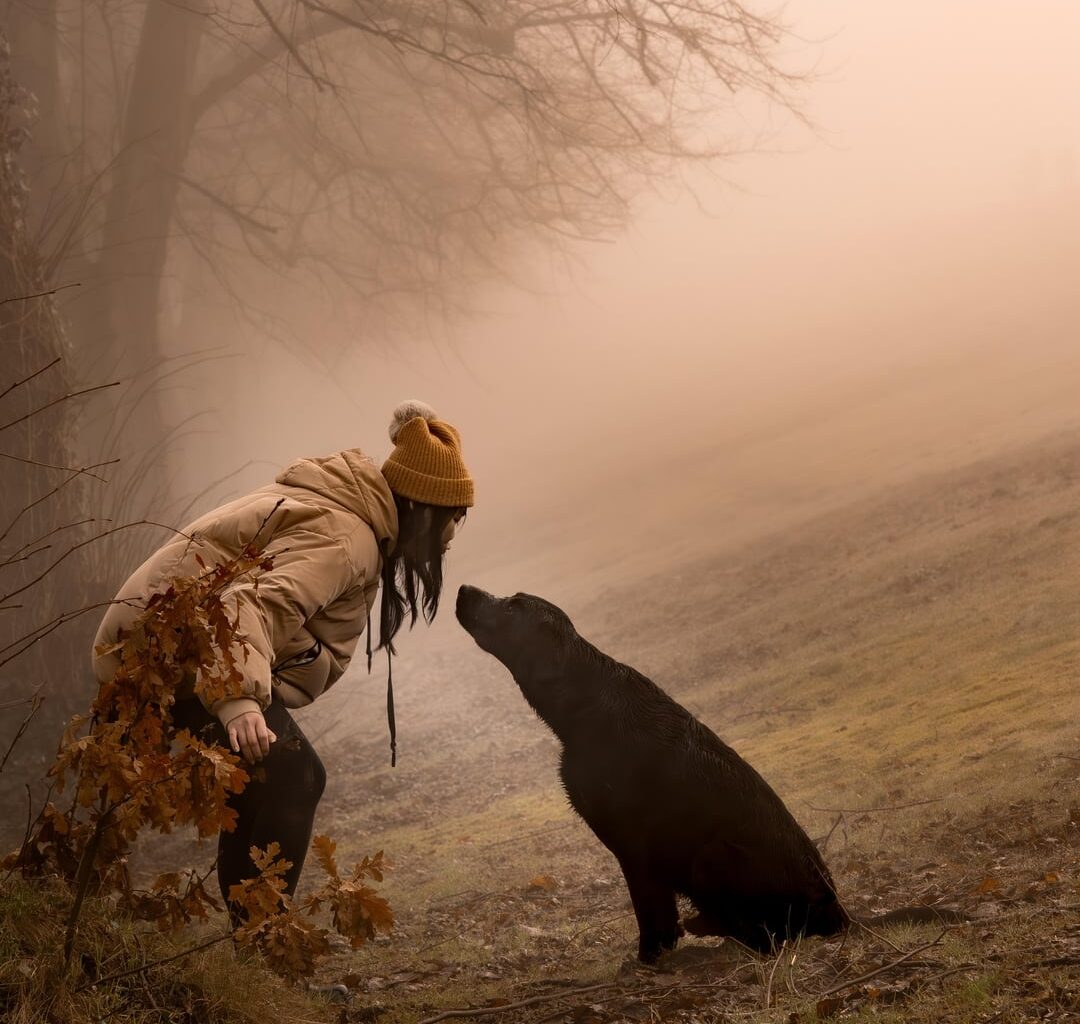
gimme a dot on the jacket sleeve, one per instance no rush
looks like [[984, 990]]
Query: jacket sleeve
[[310, 571]]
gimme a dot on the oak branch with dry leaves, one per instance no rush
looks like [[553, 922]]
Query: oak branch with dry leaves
[[128, 772]]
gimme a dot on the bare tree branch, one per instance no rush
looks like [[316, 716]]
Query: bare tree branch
[[39, 295], [56, 401], [36, 700], [243, 218], [320, 83]]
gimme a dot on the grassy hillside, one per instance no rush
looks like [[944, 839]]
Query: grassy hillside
[[903, 671]]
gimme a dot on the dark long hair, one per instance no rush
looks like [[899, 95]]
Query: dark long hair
[[412, 573]]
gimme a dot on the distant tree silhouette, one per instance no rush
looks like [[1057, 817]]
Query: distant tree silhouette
[[385, 153]]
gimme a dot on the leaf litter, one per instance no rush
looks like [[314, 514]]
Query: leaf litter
[[559, 949]]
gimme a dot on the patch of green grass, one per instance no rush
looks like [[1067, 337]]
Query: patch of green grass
[[211, 986], [977, 992]]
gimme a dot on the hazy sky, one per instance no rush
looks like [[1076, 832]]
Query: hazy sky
[[932, 214]]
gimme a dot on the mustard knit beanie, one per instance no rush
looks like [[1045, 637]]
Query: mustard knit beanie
[[426, 463]]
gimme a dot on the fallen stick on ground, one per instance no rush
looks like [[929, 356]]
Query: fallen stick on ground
[[547, 997], [876, 810], [601, 924], [486, 1011], [143, 968], [881, 970]]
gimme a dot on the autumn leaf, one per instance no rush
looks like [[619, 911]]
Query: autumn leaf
[[324, 848], [290, 945], [371, 867], [359, 912]]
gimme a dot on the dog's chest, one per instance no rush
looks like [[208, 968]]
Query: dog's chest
[[606, 787]]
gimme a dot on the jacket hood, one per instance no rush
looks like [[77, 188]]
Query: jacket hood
[[352, 480]]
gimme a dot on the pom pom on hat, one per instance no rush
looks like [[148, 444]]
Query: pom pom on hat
[[426, 463], [410, 409]]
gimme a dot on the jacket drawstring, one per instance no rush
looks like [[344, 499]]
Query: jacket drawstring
[[390, 719], [390, 707], [369, 641]]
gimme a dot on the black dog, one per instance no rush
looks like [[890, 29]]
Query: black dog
[[682, 812]]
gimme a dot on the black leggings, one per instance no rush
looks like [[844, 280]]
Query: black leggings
[[277, 805]]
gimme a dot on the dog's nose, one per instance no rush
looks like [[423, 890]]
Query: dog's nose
[[471, 601], [465, 596]]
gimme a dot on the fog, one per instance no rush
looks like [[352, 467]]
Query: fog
[[800, 442], [889, 290]]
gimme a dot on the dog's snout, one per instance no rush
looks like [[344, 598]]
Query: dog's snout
[[469, 599]]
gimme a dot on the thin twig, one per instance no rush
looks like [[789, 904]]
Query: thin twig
[[91, 540], [31, 822], [29, 377], [875, 810], [17, 554], [66, 469], [526, 835], [435, 945], [57, 401], [244, 218], [39, 295], [942, 975], [36, 700], [154, 963], [36, 635], [881, 970], [823, 841], [772, 973], [15, 702], [601, 924], [487, 1011], [877, 935], [657, 993], [44, 497], [289, 45], [1054, 961], [532, 1000]]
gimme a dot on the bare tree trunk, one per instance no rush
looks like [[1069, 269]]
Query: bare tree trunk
[[142, 194], [119, 321]]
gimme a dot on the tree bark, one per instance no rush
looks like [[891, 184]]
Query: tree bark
[[124, 304], [154, 142]]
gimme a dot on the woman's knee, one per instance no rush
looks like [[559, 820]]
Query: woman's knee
[[318, 775]]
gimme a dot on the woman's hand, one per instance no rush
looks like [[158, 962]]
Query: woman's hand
[[251, 736]]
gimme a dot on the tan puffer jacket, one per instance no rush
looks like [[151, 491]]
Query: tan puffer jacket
[[303, 621]]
